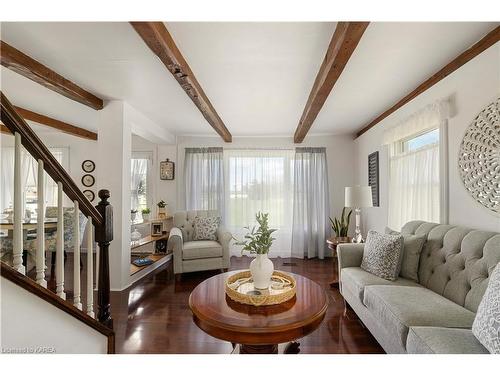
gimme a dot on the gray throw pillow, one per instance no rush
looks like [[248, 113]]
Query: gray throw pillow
[[205, 228], [382, 255], [486, 326], [412, 247]]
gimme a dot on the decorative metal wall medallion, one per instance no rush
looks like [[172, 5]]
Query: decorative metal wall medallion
[[479, 157]]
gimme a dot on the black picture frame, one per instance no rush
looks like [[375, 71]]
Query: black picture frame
[[373, 177], [88, 161], [83, 180], [89, 193]]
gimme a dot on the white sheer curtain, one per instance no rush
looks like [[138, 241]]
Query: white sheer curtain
[[139, 168], [260, 180], [311, 203], [204, 179], [29, 176], [417, 180], [414, 188]]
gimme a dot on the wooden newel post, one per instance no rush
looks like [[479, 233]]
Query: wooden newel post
[[103, 236]]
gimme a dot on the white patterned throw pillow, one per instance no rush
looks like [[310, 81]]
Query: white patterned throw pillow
[[205, 228], [486, 326], [383, 254]]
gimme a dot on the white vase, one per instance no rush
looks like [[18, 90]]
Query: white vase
[[262, 269], [145, 217]]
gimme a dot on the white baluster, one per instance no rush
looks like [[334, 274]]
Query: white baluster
[[76, 258], [60, 243], [17, 245], [90, 270], [40, 227]]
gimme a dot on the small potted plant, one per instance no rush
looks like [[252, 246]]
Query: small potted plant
[[162, 212], [145, 214], [133, 213], [341, 226], [258, 241]]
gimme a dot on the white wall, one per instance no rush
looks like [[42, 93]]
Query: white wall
[[29, 322], [471, 88], [339, 149]]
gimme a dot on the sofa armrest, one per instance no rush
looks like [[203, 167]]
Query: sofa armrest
[[350, 254], [224, 237], [175, 243]]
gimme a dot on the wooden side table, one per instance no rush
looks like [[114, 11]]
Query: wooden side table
[[332, 245]]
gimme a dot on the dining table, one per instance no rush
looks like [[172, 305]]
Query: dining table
[[29, 225]]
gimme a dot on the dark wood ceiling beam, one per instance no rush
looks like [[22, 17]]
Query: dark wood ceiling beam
[[344, 41], [4, 129], [24, 65], [56, 124], [52, 123], [159, 40], [490, 39]]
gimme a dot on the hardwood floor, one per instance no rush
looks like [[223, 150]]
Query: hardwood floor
[[153, 316]]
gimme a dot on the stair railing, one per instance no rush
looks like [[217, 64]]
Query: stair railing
[[100, 218]]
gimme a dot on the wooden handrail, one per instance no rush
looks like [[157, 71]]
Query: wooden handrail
[[38, 150], [45, 294]]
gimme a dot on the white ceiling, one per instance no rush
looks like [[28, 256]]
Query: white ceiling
[[257, 75]]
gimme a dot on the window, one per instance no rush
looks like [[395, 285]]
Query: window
[[29, 175], [418, 181], [140, 189], [31, 195], [419, 141], [260, 180]]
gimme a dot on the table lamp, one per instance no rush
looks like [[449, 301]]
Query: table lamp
[[357, 197]]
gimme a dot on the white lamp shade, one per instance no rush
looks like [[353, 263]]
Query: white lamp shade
[[358, 196]]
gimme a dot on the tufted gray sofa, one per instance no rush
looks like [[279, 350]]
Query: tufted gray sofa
[[191, 256], [435, 314]]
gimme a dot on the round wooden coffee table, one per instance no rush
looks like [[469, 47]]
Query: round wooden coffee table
[[258, 329]]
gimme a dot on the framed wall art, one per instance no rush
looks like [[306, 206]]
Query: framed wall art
[[88, 166], [167, 170], [88, 180], [373, 177]]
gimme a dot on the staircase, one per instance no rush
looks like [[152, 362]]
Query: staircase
[[99, 221]]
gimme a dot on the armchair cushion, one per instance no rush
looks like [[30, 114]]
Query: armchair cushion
[[201, 249], [205, 228]]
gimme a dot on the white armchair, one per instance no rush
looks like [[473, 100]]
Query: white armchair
[[192, 256]]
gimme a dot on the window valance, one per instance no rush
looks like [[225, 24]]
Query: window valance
[[429, 117]]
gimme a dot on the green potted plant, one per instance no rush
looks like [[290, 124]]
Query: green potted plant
[[341, 226], [258, 241], [145, 214], [162, 211], [133, 213]]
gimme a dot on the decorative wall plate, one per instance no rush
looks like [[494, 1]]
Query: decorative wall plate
[[88, 180], [89, 194], [479, 157], [88, 166]]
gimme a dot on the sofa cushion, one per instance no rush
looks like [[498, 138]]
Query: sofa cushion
[[201, 249], [439, 340], [356, 279], [383, 254], [486, 325], [412, 247], [399, 307]]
